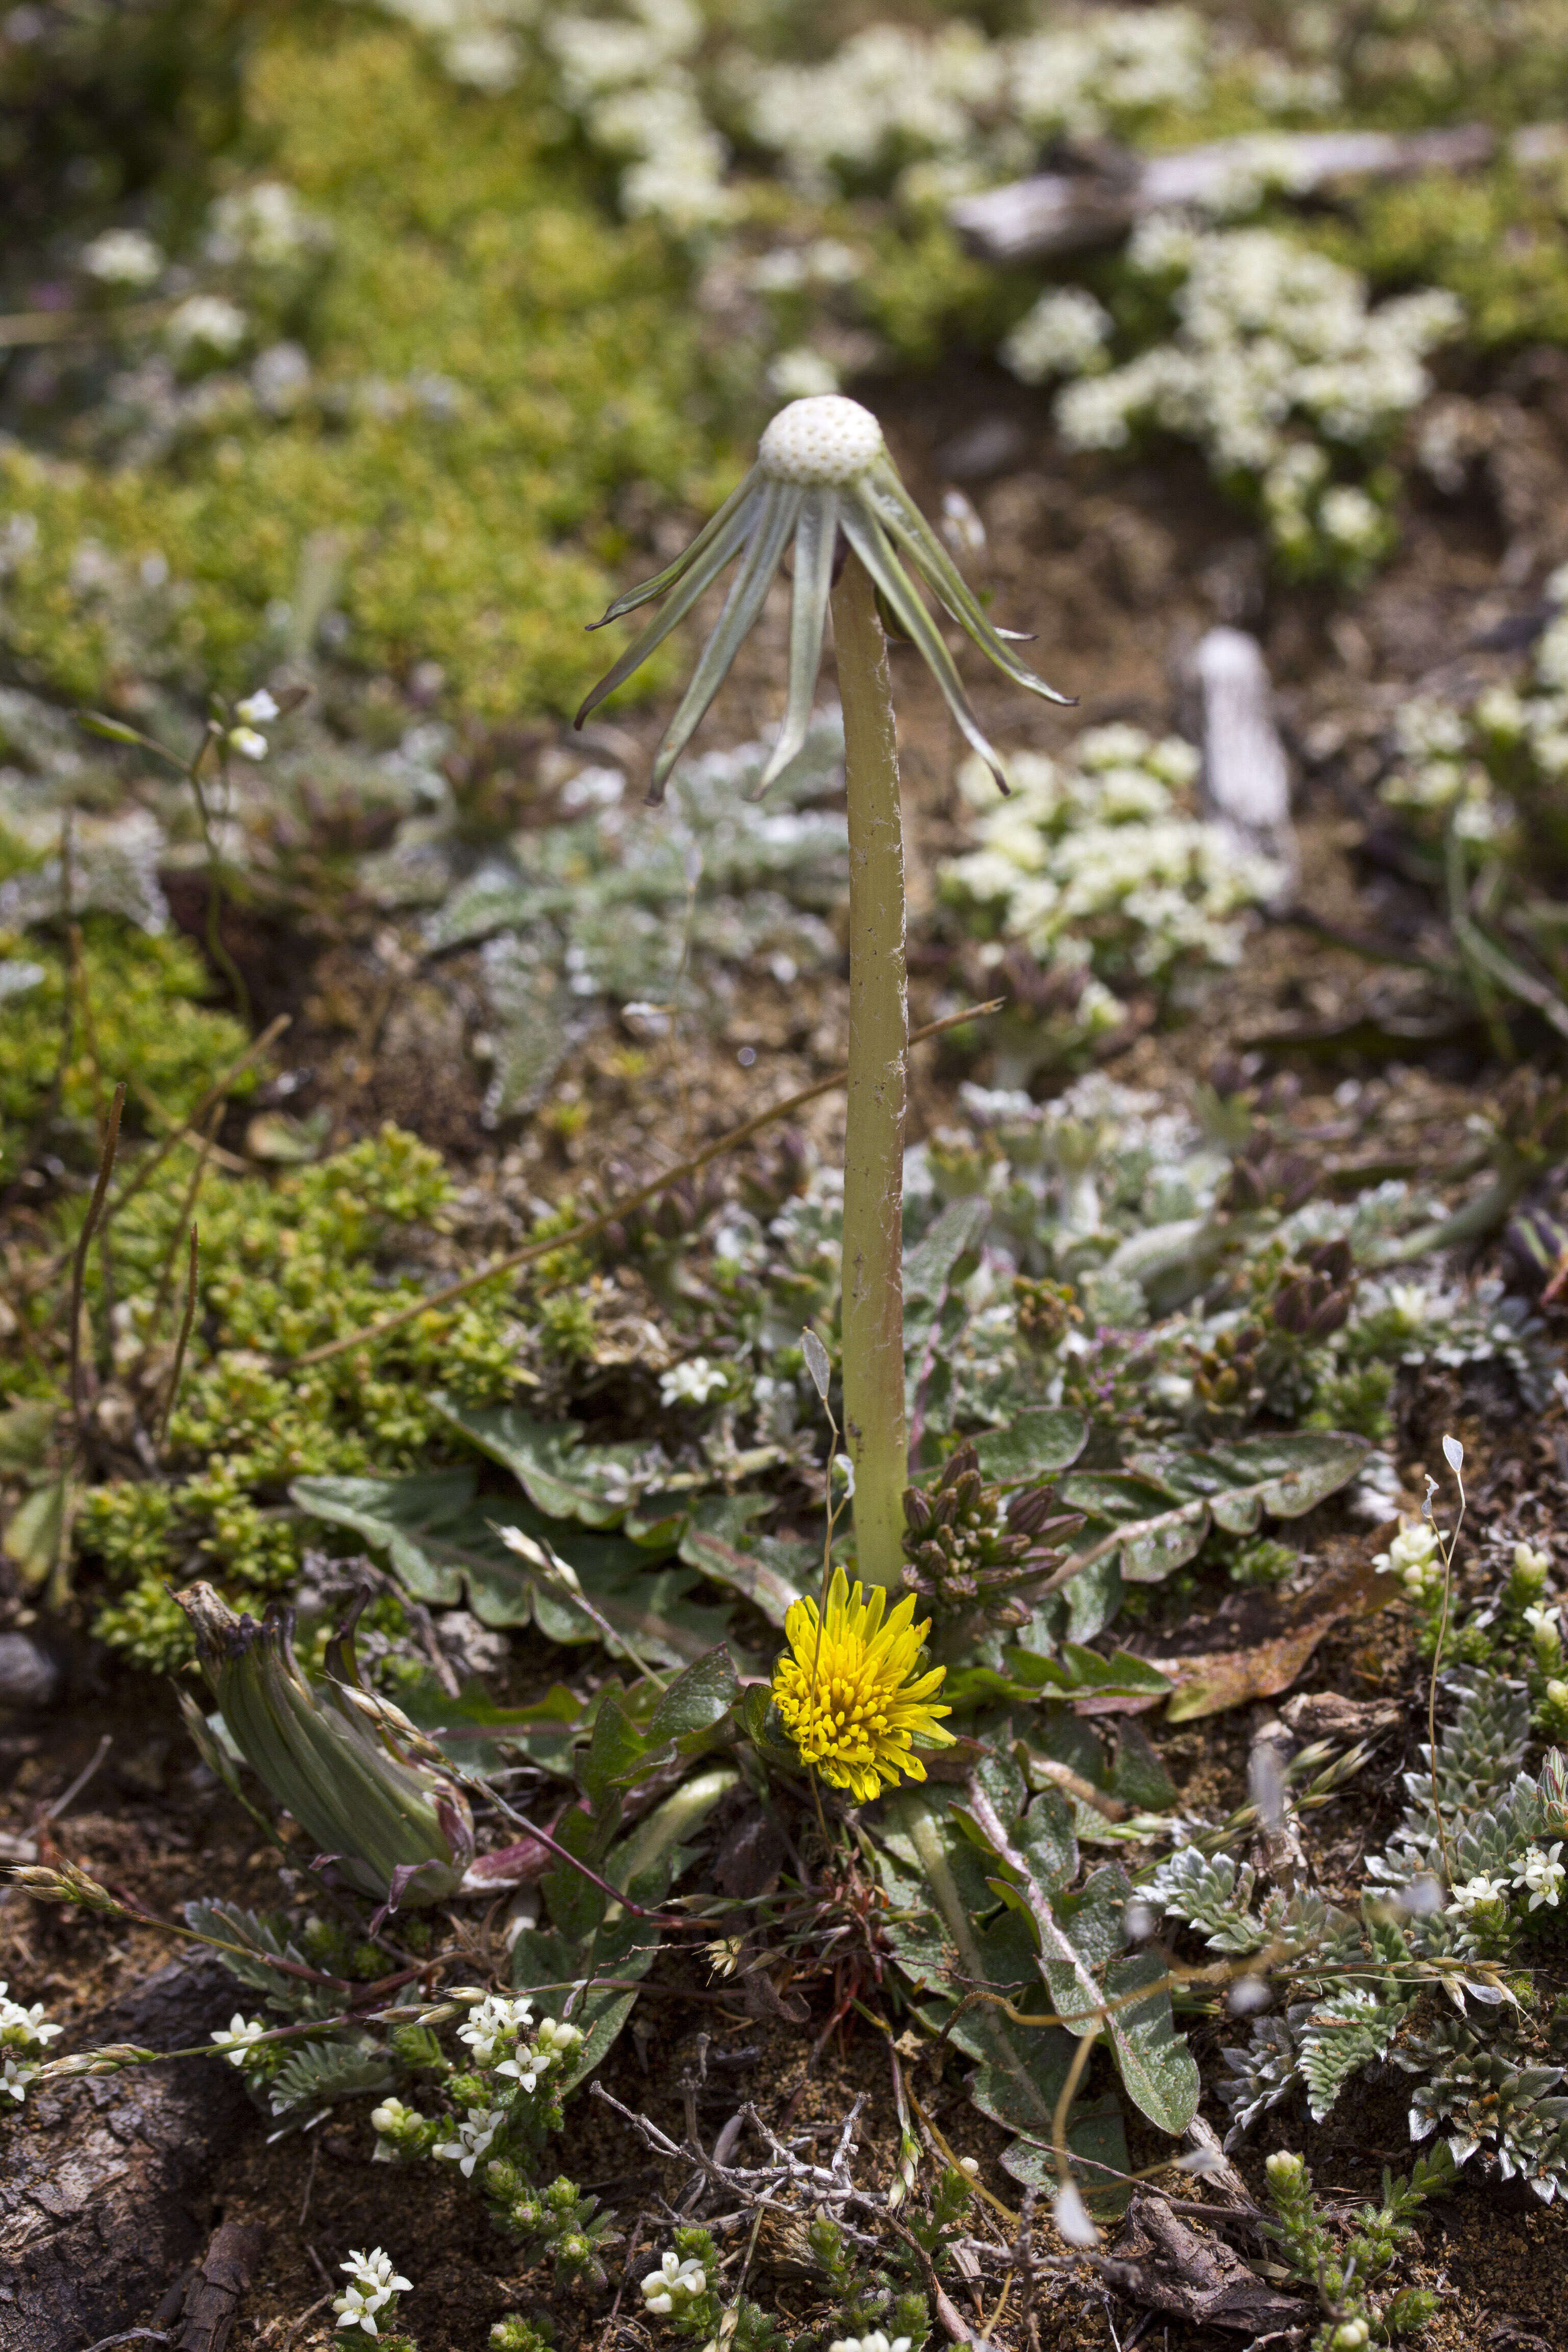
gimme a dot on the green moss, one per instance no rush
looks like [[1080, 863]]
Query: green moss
[[143, 1019], [287, 1267], [1495, 238], [474, 527]]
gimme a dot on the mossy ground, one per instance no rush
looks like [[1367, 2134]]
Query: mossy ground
[[498, 367]]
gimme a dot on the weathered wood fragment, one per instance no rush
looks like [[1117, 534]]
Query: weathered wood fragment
[[212, 2299], [108, 2187], [1069, 212]]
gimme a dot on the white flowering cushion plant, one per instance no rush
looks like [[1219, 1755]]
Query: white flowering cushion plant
[[1100, 868], [1279, 368]]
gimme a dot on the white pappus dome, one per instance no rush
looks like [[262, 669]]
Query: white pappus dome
[[820, 443]]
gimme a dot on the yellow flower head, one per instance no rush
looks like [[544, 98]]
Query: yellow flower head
[[845, 1691]]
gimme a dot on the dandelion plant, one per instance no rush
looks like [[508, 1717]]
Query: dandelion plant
[[823, 479]]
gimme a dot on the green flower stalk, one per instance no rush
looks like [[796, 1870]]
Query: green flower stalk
[[352, 1769], [823, 479]]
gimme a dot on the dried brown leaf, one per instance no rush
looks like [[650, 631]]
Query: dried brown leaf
[[1257, 1645]]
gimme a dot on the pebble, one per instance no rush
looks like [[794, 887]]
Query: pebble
[[29, 1676]]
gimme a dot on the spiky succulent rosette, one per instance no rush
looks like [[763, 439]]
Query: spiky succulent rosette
[[971, 1551], [822, 471], [1482, 2092], [352, 1770]]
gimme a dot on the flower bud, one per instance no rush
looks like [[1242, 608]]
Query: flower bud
[[1527, 1579], [109, 2059], [345, 1764], [66, 1884]]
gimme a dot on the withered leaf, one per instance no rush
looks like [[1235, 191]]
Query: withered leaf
[[1163, 2260], [1257, 1645]]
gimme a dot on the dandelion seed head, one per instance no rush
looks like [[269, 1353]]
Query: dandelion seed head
[[821, 442]]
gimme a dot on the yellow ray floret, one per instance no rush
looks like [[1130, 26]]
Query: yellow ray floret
[[848, 1694]]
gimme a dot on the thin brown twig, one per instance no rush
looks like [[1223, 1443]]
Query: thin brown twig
[[574, 1862], [1069, 2091], [531, 1251], [214, 932], [187, 1211], [1178, 1976], [168, 1120], [78, 1262], [308, 2312], [928, 2125], [20, 328], [180, 1343], [76, 963], [67, 1797]]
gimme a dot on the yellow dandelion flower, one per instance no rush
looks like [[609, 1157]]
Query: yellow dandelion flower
[[846, 1692]]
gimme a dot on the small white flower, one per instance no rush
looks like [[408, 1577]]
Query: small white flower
[[15, 2078], [553, 2044], [527, 2068], [801, 373], [209, 322], [395, 2126], [237, 2037], [256, 709], [845, 1469], [1414, 1557], [474, 2134], [674, 2282], [1350, 518], [1542, 1623], [248, 743], [375, 2271], [1065, 334], [1543, 1875], [1477, 1891], [876, 2342], [693, 1382], [499, 2017], [1535, 1565], [356, 2309], [123, 256], [24, 2026]]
